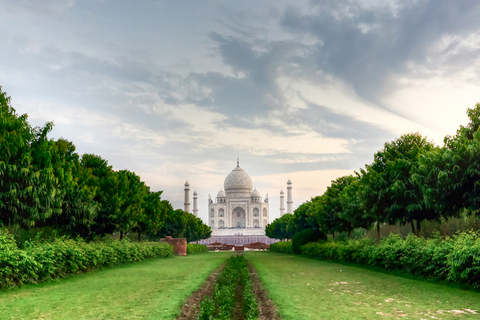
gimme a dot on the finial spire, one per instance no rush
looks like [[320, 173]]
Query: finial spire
[[238, 162]]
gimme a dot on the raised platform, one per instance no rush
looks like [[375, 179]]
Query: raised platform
[[238, 232], [239, 239]]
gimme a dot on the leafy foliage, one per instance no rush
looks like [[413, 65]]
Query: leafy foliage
[[223, 301], [454, 259], [306, 236], [281, 228], [46, 184], [282, 247], [42, 261], [196, 248]]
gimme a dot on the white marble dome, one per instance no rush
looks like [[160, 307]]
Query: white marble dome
[[255, 193], [238, 181], [221, 194]]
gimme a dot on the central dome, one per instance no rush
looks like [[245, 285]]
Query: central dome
[[238, 181]]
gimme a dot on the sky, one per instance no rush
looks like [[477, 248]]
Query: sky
[[300, 90]]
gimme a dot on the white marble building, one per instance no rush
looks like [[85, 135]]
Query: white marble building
[[238, 209]]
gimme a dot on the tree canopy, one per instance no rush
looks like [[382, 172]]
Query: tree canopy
[[45, 183]]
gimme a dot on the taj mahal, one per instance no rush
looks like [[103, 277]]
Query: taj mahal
[[238, 209]]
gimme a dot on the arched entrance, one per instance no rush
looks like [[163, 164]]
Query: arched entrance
[[239, 218]]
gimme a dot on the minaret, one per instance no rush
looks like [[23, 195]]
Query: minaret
[[195, 208], [282, 203], [289, 197], [187, 197]]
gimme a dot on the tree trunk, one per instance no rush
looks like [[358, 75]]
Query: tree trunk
[[333, 234], [413, 227], [121, 235], [378, 230], [139, 236], [348, 233], [418, 226]]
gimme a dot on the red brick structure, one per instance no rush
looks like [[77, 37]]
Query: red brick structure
[[179, 245]]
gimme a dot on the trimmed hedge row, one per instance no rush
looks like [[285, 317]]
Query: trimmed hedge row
[[454, 258], [44, 261], [196, 248], [282, 247]]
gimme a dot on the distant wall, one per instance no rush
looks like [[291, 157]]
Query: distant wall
[[238, 240]]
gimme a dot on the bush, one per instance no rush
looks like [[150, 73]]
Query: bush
[[42, 261], [282, 247], [196, 248], [454, 259], [306, 236]]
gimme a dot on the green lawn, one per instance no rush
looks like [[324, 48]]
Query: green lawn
[[153, 289], [305, 288]]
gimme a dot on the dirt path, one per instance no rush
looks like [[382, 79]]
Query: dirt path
[[266, 308], [191, 306]]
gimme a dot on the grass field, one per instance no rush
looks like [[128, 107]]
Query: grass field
[[152, 289], [305, 288], [302, 288]]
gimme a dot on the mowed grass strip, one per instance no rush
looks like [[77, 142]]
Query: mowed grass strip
[[152, 289], [304, 288]]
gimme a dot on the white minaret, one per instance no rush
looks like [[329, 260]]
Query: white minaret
[[187, 197], [282, 203], [195, 208], [289, 197]]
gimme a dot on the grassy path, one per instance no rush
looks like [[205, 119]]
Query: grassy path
[[306, 288], [152, 289]]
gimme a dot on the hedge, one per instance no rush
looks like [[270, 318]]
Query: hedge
[[196, 248], [454, 258], [43, 261], [282, 247]]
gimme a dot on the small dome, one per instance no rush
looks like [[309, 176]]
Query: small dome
[[255, 193], [281, 192], [238, 181], [221, 194]]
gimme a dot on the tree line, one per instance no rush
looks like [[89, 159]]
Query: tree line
[[45, 183], [410, 180]]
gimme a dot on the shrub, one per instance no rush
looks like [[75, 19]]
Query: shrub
[[282, 247], [196, 248], [42, 261], [306, 236], [454, 259]]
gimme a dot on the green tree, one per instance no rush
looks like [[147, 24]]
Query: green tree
[[153, 215], [78, 207], [27, 182], [281, 228], [391, 193], [175, 224], [130, 193], [353, 207], [450, 176], [195, 229], [102, 178]]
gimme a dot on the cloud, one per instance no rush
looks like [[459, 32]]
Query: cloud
[[367, 46]]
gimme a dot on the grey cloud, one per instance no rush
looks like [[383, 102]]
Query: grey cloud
[[365, 46], [331, 124]]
